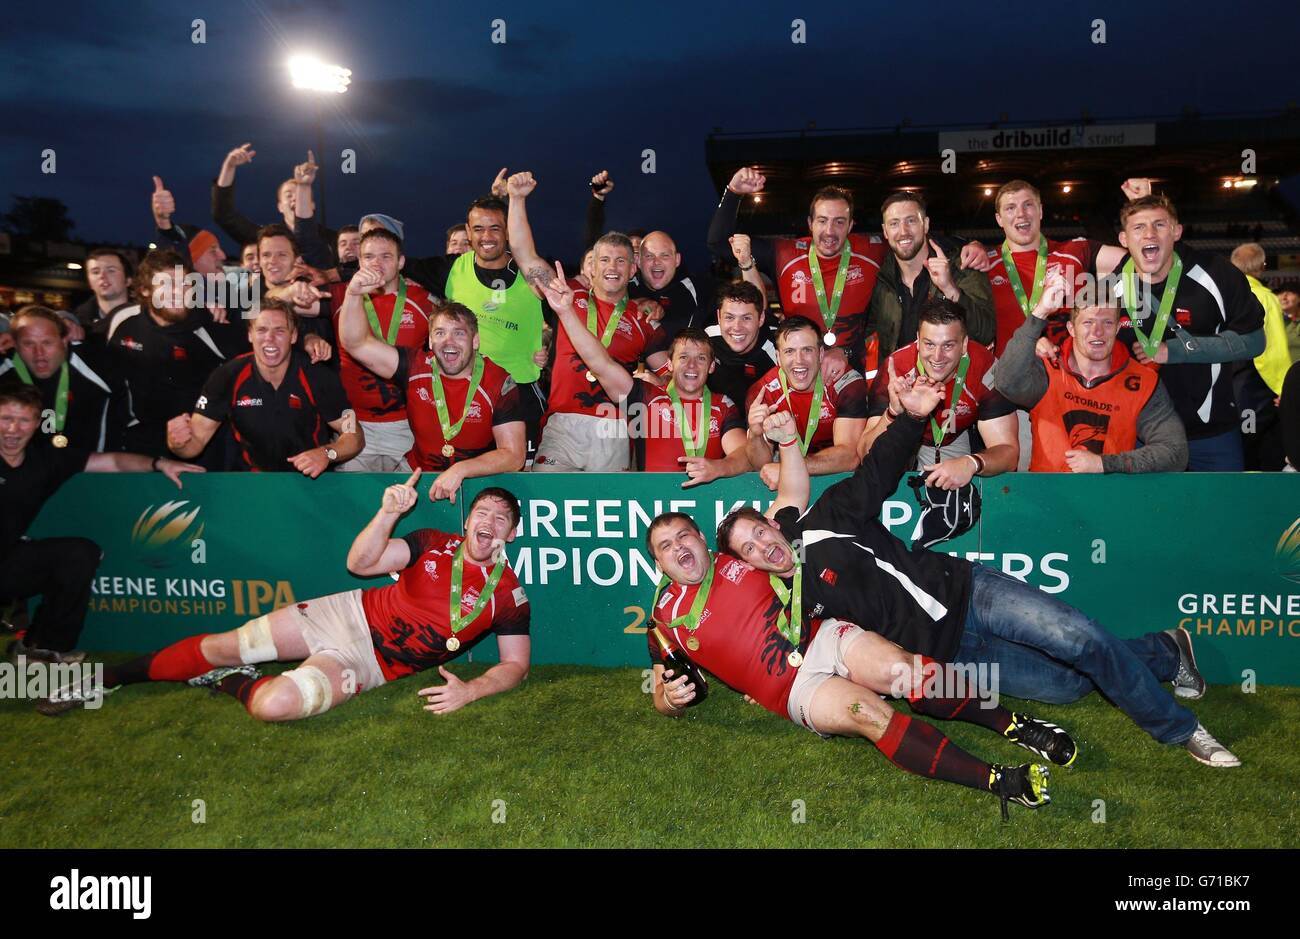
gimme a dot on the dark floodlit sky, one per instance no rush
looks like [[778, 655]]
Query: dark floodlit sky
[[120, 92]]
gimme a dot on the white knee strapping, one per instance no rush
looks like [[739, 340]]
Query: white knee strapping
[[313, 688], [255, 642]]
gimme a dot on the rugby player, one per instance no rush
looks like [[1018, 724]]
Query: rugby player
[[1092, 403], [452, 591], [463, 408], [943, 352], [397, 315], [830, 417], [835, 292], [825, 675], [84, 402], [1189, 313], [280, 405], [680, 428], [954, 610], [578, 436]]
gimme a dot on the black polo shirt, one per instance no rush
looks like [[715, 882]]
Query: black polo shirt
[[164, 368], [687, 301], [97, 404], [26, 487], [272, 424]]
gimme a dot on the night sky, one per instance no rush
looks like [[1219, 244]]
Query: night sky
[[120, 92]]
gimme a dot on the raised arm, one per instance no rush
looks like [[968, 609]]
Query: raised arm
[[746, 181], [375, 551], [224, 213], [1021, 375], [536, 271], [602, 184], [354, 328], [792, 484], [614, 378]]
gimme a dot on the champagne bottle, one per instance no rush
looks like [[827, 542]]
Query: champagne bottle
[[676, 661]]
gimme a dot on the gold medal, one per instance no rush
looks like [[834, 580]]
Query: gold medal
[[692, 643], [452, 643], [59, 441], [829, 339], [795, 659], [590, 377], [448, 450]]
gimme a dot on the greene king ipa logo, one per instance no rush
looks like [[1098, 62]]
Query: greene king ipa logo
[[164, 535], [1287, 553]]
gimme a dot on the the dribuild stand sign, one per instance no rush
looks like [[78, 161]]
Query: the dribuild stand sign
[[1219, 554]]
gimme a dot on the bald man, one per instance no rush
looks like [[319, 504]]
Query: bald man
[[687, 299]]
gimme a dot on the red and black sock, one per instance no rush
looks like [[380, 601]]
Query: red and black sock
[[241, 687], [933, 701], [921, 748], [179, 661]]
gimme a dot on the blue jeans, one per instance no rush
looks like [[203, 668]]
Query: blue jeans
[[1047, 650], [1221, 454]]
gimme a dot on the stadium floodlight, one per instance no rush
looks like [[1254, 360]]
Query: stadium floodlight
[[1066, 188], [311, 74]]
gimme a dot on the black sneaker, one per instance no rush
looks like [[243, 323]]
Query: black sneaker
[[1026, 784], [49, 656], [1188, 683], [1047, 740], [212, 679]]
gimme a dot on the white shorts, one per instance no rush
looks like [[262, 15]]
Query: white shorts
[[582, 443], [387, 444], [336, 626], [824, 658]]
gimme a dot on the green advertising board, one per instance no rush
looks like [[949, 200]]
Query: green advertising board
[[1217, 553]]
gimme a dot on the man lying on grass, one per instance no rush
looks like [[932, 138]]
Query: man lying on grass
[[726, 617], [952, 609], [451, 592]]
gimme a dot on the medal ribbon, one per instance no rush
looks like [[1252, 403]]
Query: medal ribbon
[[829, 310], [697, 446], [459, 622], [1013, 275], [814, 409], [1151, 342], [790, 626], [60, 395], [692, 619], [396, 323], [958, 383], [440, 397], [611, 327]]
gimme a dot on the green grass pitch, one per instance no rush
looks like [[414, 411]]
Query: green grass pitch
[[577, 757]]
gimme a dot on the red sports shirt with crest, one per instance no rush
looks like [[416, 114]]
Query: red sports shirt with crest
[[656, 437], [846, 398], [380, 400], [738, 639], [410, 621], [799, 295], [495, 402], [571, 392], [978, 402], [1072, 258]]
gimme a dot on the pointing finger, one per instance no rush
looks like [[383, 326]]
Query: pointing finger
[[937, 250], [415, 478]]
